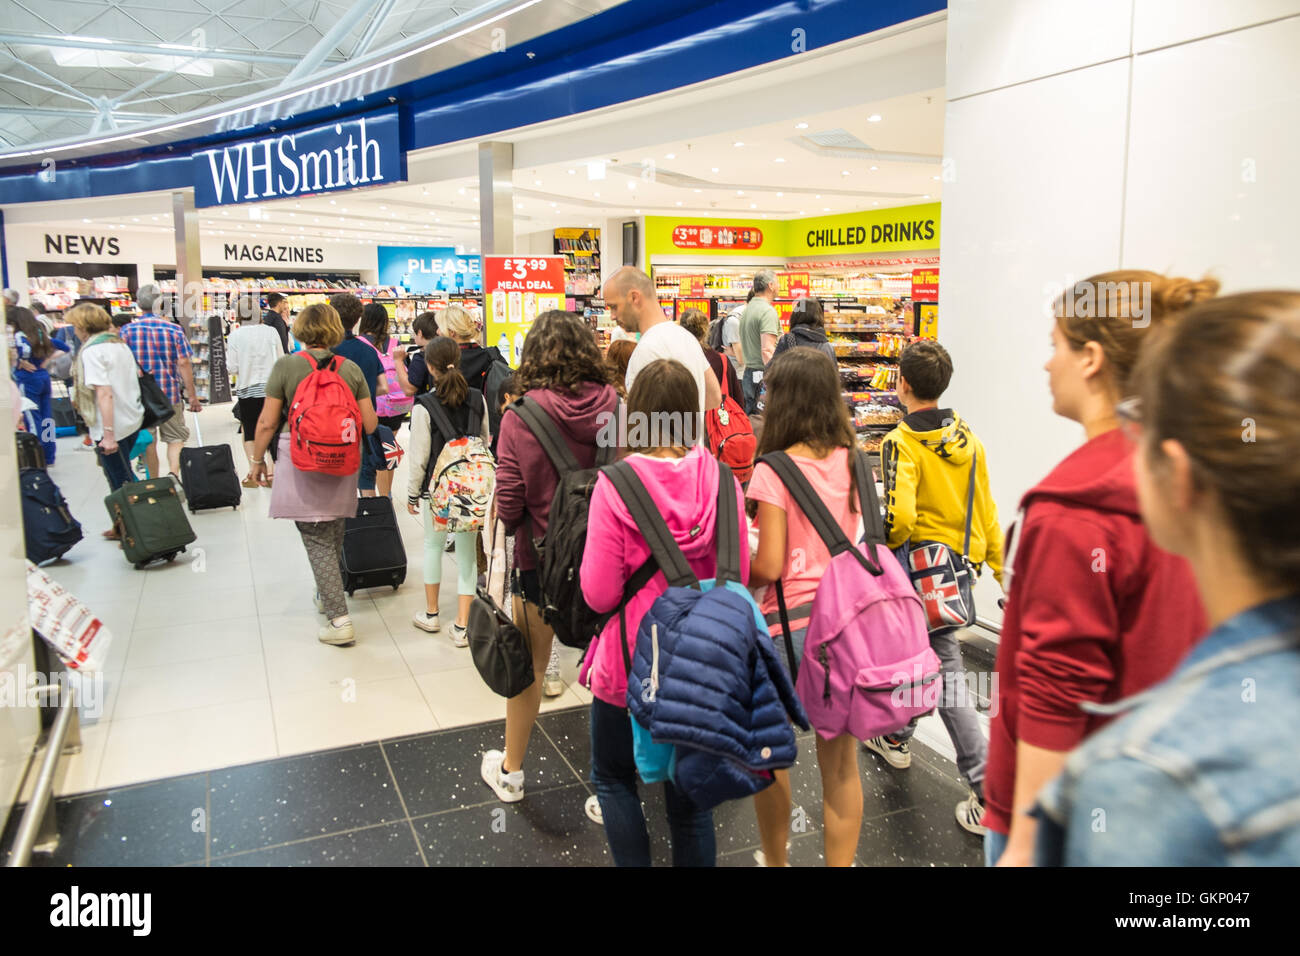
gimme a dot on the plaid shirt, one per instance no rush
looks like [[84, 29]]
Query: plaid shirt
[[158, 344]]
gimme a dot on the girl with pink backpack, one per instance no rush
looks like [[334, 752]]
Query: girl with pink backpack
[[393, 407], [810, 498]]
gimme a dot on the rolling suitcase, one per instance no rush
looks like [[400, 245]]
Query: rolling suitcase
[[151, 518], [208, 475], [66, 420], [31, 453], [373, 553], [49, 529]]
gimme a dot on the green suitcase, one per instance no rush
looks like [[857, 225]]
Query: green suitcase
[[150, 515]]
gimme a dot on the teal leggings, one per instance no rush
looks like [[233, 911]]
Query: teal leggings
[[466, 555]]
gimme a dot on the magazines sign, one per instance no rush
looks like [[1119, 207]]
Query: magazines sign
[[717, 237], [518, 290]]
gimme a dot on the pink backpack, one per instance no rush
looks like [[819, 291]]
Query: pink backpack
[[867, 666], [394, 403]]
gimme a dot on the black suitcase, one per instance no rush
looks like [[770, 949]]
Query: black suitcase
[[66, 419], [373, 553], [31, 453], [208, 475], [49, 529]]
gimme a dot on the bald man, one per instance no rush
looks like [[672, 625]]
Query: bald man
[[630, 297]]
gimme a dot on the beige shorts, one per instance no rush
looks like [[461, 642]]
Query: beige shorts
[[175, 429]]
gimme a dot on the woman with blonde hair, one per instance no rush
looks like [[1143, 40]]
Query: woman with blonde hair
[[475, 361], [106, 391], [317, 503], [1095, 610]]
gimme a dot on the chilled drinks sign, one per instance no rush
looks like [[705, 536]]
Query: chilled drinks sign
[[359, 151]]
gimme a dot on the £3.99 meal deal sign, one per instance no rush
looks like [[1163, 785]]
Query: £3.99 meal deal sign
[[518, 290]]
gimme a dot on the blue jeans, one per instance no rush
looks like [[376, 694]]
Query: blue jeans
[[117, 466], [750, 388], [995, 844], [613, 771]]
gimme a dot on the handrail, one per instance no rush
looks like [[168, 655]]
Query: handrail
[[988, 625], [38, 818]]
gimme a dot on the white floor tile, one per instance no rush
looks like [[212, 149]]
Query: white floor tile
[[338, 716], [305, 664], [460, 697], [189, 741], [215, 604], [186, 685], [184, 641], [427, 653]]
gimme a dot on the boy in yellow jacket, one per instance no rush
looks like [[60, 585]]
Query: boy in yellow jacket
[[927, 463]]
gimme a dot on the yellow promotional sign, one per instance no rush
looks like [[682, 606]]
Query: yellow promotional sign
[[900, 229], [689, 235], [928, 326]]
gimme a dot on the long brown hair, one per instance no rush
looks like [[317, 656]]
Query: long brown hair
[[442, 356], [805, 404], [560, 353], [1224, 382], [1123, 307], [30, 326], [667, 402], [618, 356]]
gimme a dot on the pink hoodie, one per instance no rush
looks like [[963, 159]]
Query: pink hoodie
[[686, 492]]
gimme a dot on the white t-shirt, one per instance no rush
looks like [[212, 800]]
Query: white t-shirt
[[111, 364], [251, 350], [668, 340]]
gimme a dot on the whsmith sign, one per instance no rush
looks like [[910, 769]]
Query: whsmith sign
[[361, 151]]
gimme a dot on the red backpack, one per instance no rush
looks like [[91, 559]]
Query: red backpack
[[325, 421], [729, 433]]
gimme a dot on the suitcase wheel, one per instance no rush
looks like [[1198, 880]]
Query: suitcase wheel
[[139, 565], [172, 557]]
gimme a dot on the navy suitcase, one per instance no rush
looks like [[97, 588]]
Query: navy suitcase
[[373, 553], [49, 530]]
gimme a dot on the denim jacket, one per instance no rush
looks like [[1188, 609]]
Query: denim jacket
[[1203, 770]]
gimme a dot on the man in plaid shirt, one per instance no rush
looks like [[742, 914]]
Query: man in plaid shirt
[[162, 350]]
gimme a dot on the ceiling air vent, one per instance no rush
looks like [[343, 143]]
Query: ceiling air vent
[[836, 137]]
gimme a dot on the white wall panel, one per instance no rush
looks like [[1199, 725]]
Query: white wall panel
[[1212, 158], [1034, 203], [1159, 23], [994, 43]]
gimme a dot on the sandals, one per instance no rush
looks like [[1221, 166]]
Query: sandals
[[266, 480], [249, 482]]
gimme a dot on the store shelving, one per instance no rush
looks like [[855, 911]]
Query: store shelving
[[581, 251]]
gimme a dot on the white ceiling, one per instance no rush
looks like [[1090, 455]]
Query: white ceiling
[[777, 173]]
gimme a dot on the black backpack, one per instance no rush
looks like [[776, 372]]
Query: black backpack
[[498, 372], [48, 527], [559, 553]]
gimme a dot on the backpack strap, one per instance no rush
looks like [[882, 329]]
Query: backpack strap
[[873, 523], [726, 393], [970, 509], [727, 528], [476, 406], [438, 415], [809, 503], [547, 435]]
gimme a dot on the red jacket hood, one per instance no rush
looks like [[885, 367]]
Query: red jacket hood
[[1098, 475]]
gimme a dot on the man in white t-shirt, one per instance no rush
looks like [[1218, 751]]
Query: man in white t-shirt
[[630, 297]]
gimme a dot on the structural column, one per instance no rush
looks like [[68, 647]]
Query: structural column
[[185, 223], [496, 196]]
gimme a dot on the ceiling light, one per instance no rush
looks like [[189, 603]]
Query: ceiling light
[[133, 219], [737, 143], [572, 172], [333, 203], [753, 205], [224, 212], [670, 156], [636, 212], [461, 191], [778, 160], [926, 196], [631, 184], [844, 172], [740, 192], [800, 125], [519, 206], [826, 208], [85, 220], [874, 168], [935, 178], [780, 194], [596, 170], [381, 208], [715, 169], [818, 196], [874, 118], [537, 182], [597, 195], [679, 202], [699, 190]]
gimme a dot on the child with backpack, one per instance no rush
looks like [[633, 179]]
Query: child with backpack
[[682, 479], [452, 473], [563, 372], [937, 500], [807, 431]]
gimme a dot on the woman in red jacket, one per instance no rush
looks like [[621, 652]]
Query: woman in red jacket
[[562, 370], [1095, 610]]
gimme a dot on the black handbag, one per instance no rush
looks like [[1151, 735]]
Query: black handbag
[[157, 407], [502, 654]]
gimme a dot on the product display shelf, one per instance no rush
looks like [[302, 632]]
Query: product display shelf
[[581, 251], [867, 344]]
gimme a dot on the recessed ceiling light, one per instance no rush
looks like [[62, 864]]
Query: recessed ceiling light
[[844, 172], [818, 196], [670, 156], [801, 212], [780, 194], [826, 208], [874, 168], [874, 118], [297, 205], [876, 203], [333, 203], [740, 192], [597, 195], [715, 169], [519, 205], [572, 172], [753, 205], [631, 184], [224, 212], [737, 143], [679, 202], [935, 178], [381, 208], [636, 212], [779, 159], [800, 125], [699, 190], [926, 196], [537, 182], [133, 219]]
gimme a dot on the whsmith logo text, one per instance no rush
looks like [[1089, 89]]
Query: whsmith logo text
[[364, 151]]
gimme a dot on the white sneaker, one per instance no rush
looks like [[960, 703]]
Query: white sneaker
[[761, 859], [459, 635], [425, 621], [897, 753], [340, 635], [509, 787], [593, 810], [970, 815]]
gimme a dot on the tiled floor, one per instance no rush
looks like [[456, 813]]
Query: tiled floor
[[214, 660], [418, 800]]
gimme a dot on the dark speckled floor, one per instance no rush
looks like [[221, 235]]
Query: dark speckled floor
[[418, 801]]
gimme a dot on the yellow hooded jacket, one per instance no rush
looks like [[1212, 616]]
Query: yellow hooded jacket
[[926, 462]]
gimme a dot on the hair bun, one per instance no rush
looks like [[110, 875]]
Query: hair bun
[[1177, 293]]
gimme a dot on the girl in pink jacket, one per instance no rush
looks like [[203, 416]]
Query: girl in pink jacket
[[682, 478]]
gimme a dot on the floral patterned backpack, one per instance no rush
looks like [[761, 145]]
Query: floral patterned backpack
[[461, 481]]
